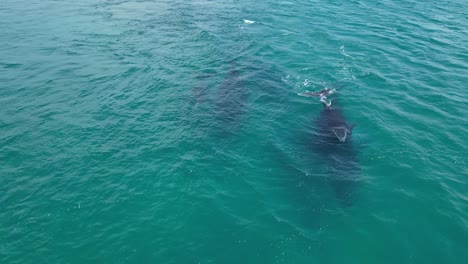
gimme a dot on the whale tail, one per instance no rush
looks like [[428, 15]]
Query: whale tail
[[321, 93], [323, 96]]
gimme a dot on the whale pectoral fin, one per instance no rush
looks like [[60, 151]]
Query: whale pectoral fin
[[341, 133]]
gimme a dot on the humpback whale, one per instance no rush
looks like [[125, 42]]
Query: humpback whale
[[333, 144]]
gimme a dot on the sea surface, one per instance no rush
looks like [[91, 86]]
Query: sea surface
[[172, 131]]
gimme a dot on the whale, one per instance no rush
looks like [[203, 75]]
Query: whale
[[332, 142], [231, 101]]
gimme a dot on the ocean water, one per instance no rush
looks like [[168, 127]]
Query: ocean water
[[175, 131]]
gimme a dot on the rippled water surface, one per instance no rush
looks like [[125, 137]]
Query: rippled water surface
[[174, 131]]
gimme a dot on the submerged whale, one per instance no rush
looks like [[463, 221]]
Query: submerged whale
[[333, 144], [231, 102]]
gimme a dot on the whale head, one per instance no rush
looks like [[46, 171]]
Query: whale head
[[343, 133]]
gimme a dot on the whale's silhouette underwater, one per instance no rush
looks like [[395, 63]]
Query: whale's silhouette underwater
[[332, 143], [231, 101]]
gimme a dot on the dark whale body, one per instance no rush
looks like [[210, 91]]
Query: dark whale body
[[231, 102], [332, 143]]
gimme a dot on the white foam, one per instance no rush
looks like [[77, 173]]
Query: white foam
[[246, 21], [325, 100]]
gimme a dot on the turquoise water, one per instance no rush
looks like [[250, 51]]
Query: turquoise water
[[174, 132]]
